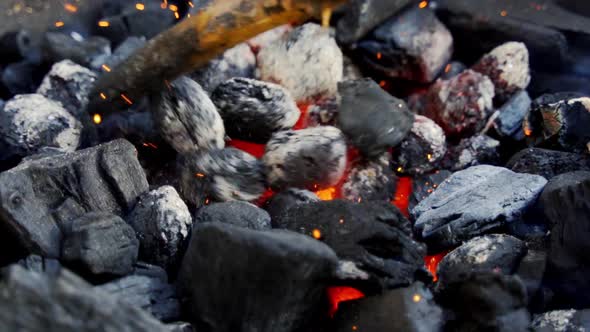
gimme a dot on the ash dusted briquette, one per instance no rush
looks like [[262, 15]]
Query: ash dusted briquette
[[370, 180], [253, 110], [424, 147], [313, 158], [187, 118], [221, 175]]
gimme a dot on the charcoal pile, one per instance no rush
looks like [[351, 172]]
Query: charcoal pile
[[384, 165]]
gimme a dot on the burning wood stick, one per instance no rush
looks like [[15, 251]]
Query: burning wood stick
[[220, 25]]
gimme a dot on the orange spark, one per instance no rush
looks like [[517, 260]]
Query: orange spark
[[382, 84], [97, 118], [139, 6], [103, 24], [448, 68], [379, 55], [190, 3], [106, 68], [503, 13], [103, 96], [416, 298], [402, 195], [59, 24], [432, 262], [317, 234], [326, 194], [177, 15], [71, 8], [339, 294], [200, 175], [173, 8], [423, 4], [150, 145], [164, 4], [126, 99]]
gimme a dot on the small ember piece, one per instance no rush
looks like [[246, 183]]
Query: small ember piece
[[187, 118], [508, 67], [253, 110], [424, 147], [370, 180], [371, 118], [308, 63], [563, 118], [461, 105], [412, 45], [229, 174], [313, 158]]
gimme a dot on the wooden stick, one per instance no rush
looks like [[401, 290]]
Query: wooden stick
[[218, 26]]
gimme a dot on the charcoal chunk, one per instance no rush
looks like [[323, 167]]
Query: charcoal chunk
[[472, 202], [287, 199], [511, 116], [30, 122], [223, 175], [162, 223], [101, 243], [237, 213], [371, 118], [21, 77], [60, 46], [238, 61], [495, 253], [219, 254], [562, 320], [531, 271], [370, 180], [423, 186], [121, 53], [187, 118], [311, 158], [40, 197], [268, 37], [508, 67], [253, 110], [473, 151], [146, 289], [460, 105], [308, 63], [409, 309], [69, 84], [548, 163], [424, 147], [412, 45], [40, 264], [375, 236], [62, 301], [566, 206]]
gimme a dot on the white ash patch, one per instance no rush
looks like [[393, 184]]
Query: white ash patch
[[583, 100], [371, 180], [434, 46], [268, 37], [557, 320], [513, 61], [308, 63]]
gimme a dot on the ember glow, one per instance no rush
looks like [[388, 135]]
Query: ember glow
[[302, 123], [59, 24], [126, 99], [106, 68], [423, 4], [103, 96], [326, 194], [416, 298], [432, 262], [70, 8], [97, 118], [255, 149], [338, 294], [402, 195], [103, 24], [139, 6], [317, 234]]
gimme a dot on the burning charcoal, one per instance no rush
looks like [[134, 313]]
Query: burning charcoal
[[410, 309], [240, 214], [121, 53], [566, 206], [486, 301], [323, 113], [62, 301], [21, 77], [219, 254], [508, 67], [238, 61], [452, 69], [375, 236], [512, 114], [58, 46], [370, 180], [476, 150], [31, 122], [424, 147], [266, 38], [460, 105], [425, 185], [562, 320], [40, 264], [187, 118], [548, 163], [562, 117], [362, 16], [373, 119], [100, 243], [69, 84], [223, 175], [41, 196], [310, 158], [474, 201], [147, 289], [412, 45], [308, 63], [162, 222], [253, 110], [287, 199], [495, 253]]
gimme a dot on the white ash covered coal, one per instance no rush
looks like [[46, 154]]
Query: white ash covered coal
[[562, 320], [323, 113], [308, 62], [313, 158], [423, 149], [187, 118], [266, 38], [370, 180], [253, 110], [473, 151]]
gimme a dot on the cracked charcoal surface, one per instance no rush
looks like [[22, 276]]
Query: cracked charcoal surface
[[472, 202], [253, 110], [473, 151], [370, 180], [308, 63], [31, 122], [371, 118], [162, 223], [548, 163], [223, 175], [187, 118], [310, 158], [286, 199], [236, 213], [424, 147]]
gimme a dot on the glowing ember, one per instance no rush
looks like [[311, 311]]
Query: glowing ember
[[503, 13], [150, 145], [416, 298], [302, 122], [103, 96], [448, 68], [432, 262], [339, 294], [103, 24], [400, 170], [382, 84], [326, 17], [177, 15], [354, 328], [326, 194], [106, 68], [200, 175], [126, 99], [173, 8], [207, 201], [190, 3], [97, 118], [59, 24], [402, 195], [164, 4], [71, 8], [379, 56], [255, 149], [139, 6], [317, 234], [423, 4]]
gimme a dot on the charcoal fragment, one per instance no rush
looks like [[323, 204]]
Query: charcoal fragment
[[187, 118], [60, 46], [424, 185], [562, 320], [424, 147], [253, 110], [313, 158], [511, 115], [287, 199], [371, 118], [548, 163], [370, 180], [236, 213], [473, 151]]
